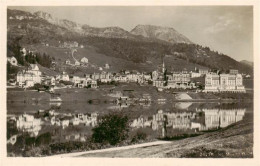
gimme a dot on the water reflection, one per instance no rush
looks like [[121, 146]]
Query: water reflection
[[160, 120], [200, 120]]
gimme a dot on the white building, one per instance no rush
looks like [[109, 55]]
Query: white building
[[67, 62], [195, 74], [32, 76], [224, 83], [64, 76], [77, 63], [107, 66], [84, 60]]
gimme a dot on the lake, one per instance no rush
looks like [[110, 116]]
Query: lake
[[155, 119]]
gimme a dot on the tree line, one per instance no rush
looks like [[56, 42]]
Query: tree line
[[14, 49]]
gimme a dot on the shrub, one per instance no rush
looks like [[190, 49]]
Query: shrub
[[112, 129], [139, 136]]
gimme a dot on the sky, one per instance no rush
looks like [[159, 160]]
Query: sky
[[226, 29]]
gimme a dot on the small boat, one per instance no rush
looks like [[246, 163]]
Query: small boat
[[55, 99]]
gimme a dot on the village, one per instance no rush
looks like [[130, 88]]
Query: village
[[200, 78]]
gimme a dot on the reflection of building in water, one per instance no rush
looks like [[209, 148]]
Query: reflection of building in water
[[27, 123], [178, 120], [215, 118], [141, 122], [159, 123], [75, 137], [211, 118], [88, 119]]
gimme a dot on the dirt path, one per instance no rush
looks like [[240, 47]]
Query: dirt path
[[144, 145]]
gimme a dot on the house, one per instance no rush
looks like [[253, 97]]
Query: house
[[195, 74], [120, 78], [50, 81], [203, 71], [178, 80], [64, 76], [33, 68], [76, 79], [95, 76], [105, 77], [147, 77], [32, 74], [84, 60], [107, 66], [67, 62], [132, 77], [12, 60], [77, 63]]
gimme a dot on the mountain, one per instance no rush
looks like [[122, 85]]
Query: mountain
[[161, 33], [70, 25], [86, 30], [140, 51], [249, 63], [140, 32]]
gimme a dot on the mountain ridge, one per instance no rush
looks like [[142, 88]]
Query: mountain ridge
[[168, 34], [108, 32], [114, 42]]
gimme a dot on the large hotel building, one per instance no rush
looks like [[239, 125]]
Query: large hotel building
[[224, 83]]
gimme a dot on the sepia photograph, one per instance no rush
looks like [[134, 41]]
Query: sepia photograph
[[130, 81]]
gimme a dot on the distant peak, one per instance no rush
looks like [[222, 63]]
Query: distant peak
[[168, 34]]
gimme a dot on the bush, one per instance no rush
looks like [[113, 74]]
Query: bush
[[38, 86], [112, 129], [43, 139], [139, 136]]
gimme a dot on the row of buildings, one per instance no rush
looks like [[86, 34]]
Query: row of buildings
[[214, 82]]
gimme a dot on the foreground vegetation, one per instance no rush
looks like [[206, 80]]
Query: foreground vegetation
[[112, 130]]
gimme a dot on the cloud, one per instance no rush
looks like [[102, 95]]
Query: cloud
[[223, 23]]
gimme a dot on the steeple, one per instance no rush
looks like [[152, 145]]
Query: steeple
[[163, 67]]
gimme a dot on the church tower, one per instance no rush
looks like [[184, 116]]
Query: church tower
[[163, 67]]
